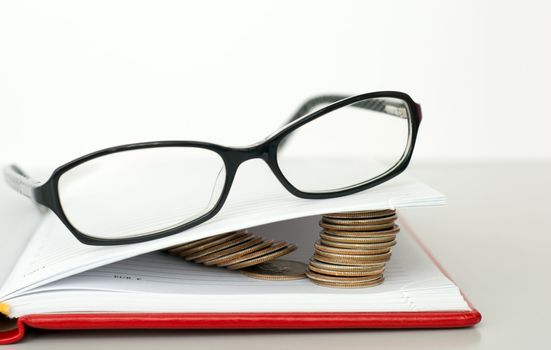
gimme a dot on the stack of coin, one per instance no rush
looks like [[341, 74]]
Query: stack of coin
[[233, 250], [353, 248]]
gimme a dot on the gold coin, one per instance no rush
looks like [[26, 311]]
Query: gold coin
[[346, 268], [350, 285], [358, 240], [220, 246], [359, 222], [389, 231], [177, 249], [237, 254], [225, 238], [335, 279], [277, 270], [363, 228], [353, 258], [358, 245], [229, 250], [345, 262], [365, 251], [288, 249], [275, 246], [346, 273], [367, 214]]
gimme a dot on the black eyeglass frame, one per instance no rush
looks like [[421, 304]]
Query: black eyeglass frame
[[47, 194]]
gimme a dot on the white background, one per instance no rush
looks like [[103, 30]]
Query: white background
[[78, 76]]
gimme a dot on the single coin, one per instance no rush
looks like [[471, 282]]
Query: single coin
[[346, 273], [367, 214], [221, 246], [357, 240], [344, 257], [237, 254], [200, 242], [325, 278], [365, 251], [359, 222], [229, 250], [363, 228], [226, 238], [277, 270], [392, 230], [346, 268], [272, 248], [345, 262], [288, 249], [358, 245], [350, 285], [177, 249]]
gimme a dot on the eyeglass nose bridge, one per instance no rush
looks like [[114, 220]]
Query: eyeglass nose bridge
[[240, 155]]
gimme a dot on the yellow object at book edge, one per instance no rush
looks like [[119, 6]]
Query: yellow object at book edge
[[4, 309]]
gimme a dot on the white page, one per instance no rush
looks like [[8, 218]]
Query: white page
[[158, 282], [19, 220], [256, 198]]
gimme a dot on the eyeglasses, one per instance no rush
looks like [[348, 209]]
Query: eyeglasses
[[333, 146]]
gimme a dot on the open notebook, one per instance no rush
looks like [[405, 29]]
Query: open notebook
[[57, 276], [159, 282]]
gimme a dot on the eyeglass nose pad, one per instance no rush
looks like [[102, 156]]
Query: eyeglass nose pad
[[218, 187]]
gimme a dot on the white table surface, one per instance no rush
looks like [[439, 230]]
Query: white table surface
[[493, 238]]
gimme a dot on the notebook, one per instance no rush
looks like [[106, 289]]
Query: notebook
[[60, 283]]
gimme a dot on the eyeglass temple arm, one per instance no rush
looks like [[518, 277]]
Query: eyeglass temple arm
[[19, 181], [377, 105]]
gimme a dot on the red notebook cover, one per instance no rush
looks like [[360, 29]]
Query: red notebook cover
[[296, 320]]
